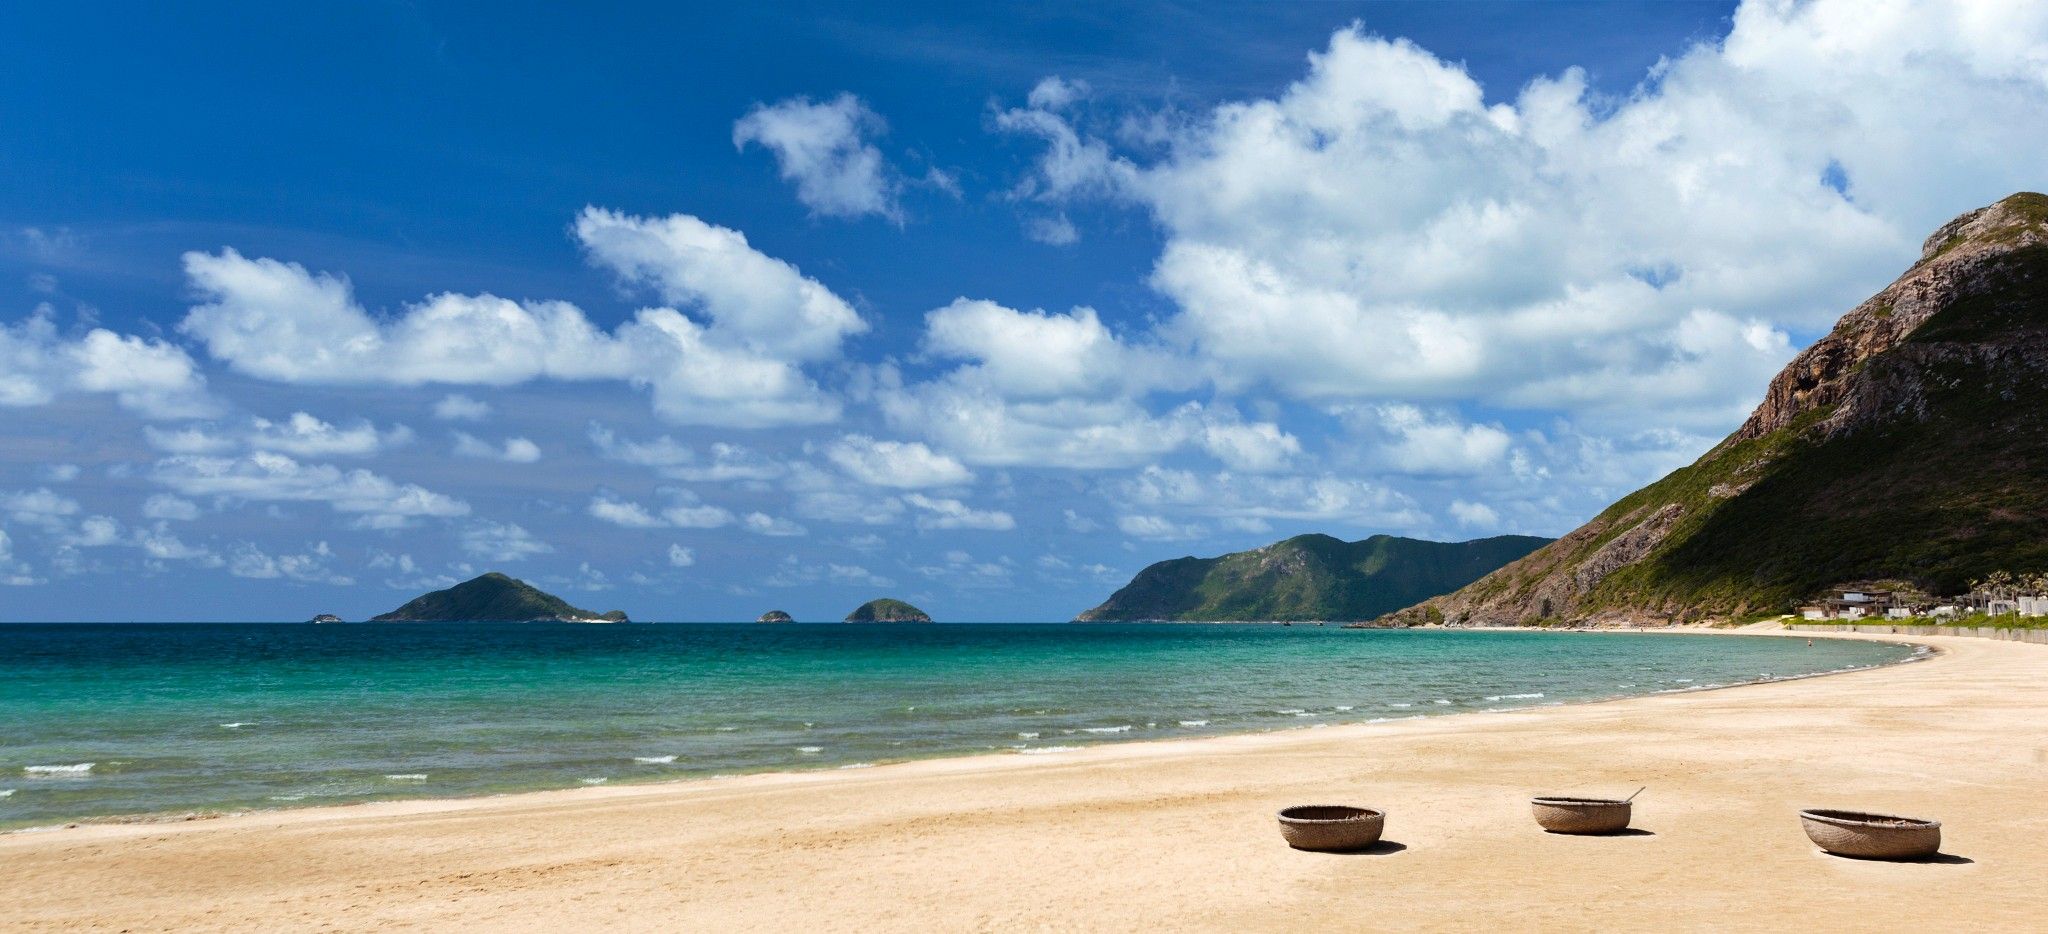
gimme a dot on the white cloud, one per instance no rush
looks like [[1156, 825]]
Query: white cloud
[[1417, 442], [1156, 528], [1378, 232], [1052, 230], [1319, 498], [39, 507], [270, 477], [277, 321], [1035, 354], [943, 513], [677, 461], [1256, 448], [686, 511], [152, 378], [1080, 523], [680, 557], [754, 301], [501, 541], [61, 473], [302, 435], [14, 573], [247, 560], [764, 524], [901, 464], [623, 513], [456, 407], [823, 149], [165, 506], [1471, 514], [511, 450], [660, 452]]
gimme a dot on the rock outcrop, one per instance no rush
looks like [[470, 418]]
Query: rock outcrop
[[494, 598], [887, 610], [775, 616], [1908, 444], [325, 618]]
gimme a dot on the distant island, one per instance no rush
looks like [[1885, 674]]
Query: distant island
[[1308, 577], [1908, 445], [325, 618], [775, 616], [494, 597], [887, 610]]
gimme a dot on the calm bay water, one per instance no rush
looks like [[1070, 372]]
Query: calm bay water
[[169, 718]]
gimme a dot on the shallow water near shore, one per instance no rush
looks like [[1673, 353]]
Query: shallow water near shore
[[119, 719]]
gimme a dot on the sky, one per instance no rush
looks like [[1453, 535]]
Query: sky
[[698, 313]]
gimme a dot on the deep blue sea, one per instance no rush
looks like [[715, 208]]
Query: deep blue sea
[[123, 719]]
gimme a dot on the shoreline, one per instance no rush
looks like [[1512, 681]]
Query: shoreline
[[1177, 833], [173, 819]]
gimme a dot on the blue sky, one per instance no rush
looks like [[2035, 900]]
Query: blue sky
[[702, 312]]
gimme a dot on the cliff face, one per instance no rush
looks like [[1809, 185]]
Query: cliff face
[[1308, 577], [1910, 443]]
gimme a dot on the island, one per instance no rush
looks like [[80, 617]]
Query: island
[[497, 598], [325, 618], [1308, 577], [887, 610], [775, 616]]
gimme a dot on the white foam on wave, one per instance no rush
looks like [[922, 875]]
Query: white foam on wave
[[1293, 710], [1345, 707], [1194, 723], [1107, 729], [287, 797], [1502, 697], [238, 724], [407, 777], [1044, 750], [810, 750], [1390, 705], [654, 760], [82, 768], [728, 729], [595, 781], [1443, 703], [857, 765], [1027, 735], [6, 792]]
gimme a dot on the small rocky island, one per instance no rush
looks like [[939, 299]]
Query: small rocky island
[[775, 616], [494, 598], [325, 618], [887, 610]]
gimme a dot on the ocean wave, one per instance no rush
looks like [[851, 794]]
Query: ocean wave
[[1502, 697], [595, 781], [810, 750], [1443, 703], [238, 724], [728, 729], [1291, 710], [82, 768], [1107, 729], [1392, 705], [407, 777], [287, 797], [1194, 723], [654, 760], [6, 792], [1027, 735], [1043, 750], [857, 765]]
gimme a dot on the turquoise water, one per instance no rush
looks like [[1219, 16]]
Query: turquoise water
[[170, 718]]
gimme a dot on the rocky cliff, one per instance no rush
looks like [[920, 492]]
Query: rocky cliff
[[1911, 443]]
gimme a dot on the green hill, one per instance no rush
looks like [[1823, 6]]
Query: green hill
[[886, 610], [1308, 577], [1910, 444], [494, 597]]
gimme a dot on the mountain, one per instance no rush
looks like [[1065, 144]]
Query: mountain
[[1910, 444], [886, 610], [1308, 577], [775, 616], [494, 597]]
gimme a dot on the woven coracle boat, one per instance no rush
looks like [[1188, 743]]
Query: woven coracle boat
[[1564, 814], [1871, 836], [1331, 827]]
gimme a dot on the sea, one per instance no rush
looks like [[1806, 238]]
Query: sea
[[126, 721]]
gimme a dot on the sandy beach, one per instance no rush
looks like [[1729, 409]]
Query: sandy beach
[[1177, 834]]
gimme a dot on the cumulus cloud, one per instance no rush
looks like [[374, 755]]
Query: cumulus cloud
[[680, 557], [764, 524], [501, 541], [685, 511], [1418, 442], [942, 513], [247, 560], [164, 506], [902, 464], [264, 476], [1378, 231], [823, 149], [152, 378], [14, 573], [1472, 514], [511, 450], [278, 321], [456, 407], [1322, 498]]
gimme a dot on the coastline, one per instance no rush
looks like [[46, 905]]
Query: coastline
[[1176, 832]]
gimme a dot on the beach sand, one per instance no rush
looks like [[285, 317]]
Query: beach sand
[[1179, 835]]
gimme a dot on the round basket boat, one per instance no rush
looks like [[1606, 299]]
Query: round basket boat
[[1871, 836], [1331, 827], [1564, 814]]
